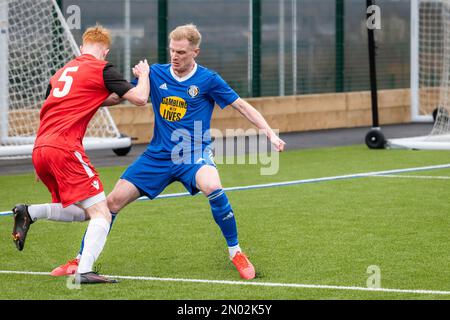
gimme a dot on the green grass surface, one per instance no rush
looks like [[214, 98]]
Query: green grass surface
[[325, 233]]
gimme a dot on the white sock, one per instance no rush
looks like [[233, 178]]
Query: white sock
[[38, 211], [94, 241], [233, 250], [55, 212]]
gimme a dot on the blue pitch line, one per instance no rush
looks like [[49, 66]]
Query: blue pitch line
[[295, 182]]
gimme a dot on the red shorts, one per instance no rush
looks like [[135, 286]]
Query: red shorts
[[68, 175]]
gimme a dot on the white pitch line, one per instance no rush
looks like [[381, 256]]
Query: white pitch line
[[249, 283], [413, 177], [313, 180], [32, 273]]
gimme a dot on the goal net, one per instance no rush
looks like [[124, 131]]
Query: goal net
[[35, 42], [430, 74]]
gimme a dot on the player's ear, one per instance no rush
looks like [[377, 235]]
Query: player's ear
[[197, 52]]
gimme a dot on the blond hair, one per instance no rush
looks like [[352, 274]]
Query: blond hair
[[188, 32], [97, 34]]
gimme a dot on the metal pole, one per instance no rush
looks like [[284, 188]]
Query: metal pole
[[373, 75], [414, 60], [249, 49], [256, 50], [127, 44], [4, 73], [374, 138], [294, 47], [163, 18], [281, 64], [339, 44]]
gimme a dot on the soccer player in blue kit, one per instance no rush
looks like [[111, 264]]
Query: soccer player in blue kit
[[183, 95]]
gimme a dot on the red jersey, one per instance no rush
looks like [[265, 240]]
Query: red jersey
[[75, 93]]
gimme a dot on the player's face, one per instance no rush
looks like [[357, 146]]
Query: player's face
[[182, 56]]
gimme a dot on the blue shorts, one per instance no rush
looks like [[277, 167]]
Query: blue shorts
[[151, 175]]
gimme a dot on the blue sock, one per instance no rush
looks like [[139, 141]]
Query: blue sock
[[113, 217], [224, 216]]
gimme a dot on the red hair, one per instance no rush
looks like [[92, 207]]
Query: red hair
[[97, 34]]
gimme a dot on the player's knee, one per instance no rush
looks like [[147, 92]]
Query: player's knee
[[114, 203], [210, 188], [96, 212]]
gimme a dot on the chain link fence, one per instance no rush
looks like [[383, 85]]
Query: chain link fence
[[298, 40]]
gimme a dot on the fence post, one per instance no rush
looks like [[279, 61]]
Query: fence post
[[339, 44], [163, 15], [256, 49]]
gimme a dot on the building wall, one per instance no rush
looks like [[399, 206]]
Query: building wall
[[287, 114]]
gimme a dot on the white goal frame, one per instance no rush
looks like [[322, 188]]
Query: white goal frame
[[431, 80], [104, 136], [416, 115]]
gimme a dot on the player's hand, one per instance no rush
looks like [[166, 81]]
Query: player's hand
[[135, 72], [141, 69], [278, 144]]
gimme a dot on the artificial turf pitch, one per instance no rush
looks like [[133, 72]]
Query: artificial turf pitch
[[325, 233]]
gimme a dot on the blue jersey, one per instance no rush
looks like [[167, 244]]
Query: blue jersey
[[183, 109]]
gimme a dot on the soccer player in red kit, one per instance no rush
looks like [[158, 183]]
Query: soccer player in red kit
[[74, 95]]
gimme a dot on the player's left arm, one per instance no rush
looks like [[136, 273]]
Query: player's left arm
[[120, 89], [255, 117], [114, 98]]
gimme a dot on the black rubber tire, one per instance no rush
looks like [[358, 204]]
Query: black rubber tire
[[375, 139], [121, 152]]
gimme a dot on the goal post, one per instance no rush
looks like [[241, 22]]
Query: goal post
[[4, 71], [35, 41], [430, 67], [427, 36], [414, 64]]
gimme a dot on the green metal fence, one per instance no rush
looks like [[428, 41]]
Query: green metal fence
[[264, 47]]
